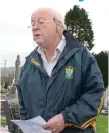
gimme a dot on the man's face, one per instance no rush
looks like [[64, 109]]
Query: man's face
[[44, 27]]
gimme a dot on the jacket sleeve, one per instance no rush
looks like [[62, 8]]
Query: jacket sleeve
[[85, 110], [23, 112]]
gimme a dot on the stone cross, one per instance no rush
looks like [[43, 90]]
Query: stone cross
[[16, 76], [17, 68]]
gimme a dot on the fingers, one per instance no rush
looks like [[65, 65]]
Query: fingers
[[48, 126], [52, 128], [55, 130], [55, 124]]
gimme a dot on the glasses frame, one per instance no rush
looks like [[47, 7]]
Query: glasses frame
[[46, 21]]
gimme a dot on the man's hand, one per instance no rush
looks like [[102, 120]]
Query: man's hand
[[55, 124]]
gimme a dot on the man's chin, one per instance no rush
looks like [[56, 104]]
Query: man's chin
[[38, 41]]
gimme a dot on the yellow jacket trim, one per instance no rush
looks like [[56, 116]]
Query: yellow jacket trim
[[92, 120], [35, 62]]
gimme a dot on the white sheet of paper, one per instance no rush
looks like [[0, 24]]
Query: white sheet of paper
[[32, 125]]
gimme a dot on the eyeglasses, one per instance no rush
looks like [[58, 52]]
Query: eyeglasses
[[41, 22]]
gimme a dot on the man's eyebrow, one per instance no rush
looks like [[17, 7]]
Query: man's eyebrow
[[36, 19], [41, 18]]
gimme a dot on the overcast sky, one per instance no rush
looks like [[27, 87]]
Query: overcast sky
[[16, 38]]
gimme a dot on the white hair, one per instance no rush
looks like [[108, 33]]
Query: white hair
[[56, 15]]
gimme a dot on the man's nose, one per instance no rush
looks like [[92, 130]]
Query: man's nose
[[36, 27]]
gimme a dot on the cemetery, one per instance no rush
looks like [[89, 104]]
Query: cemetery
[[9, 103]]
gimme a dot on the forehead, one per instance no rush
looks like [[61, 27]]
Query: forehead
[[41, 14]]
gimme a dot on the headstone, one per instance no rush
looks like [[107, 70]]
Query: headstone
[[7, 114], [13, 89], [15, 111], [106, 95], [11, 111]]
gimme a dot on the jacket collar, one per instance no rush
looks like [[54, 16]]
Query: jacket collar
[[71, 41]]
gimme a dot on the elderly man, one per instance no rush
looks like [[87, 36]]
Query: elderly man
[[60, 79]]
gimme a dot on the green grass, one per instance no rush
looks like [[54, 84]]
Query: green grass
[[102, 124], [3, 121]]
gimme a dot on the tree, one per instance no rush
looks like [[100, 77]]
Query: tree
[[77, 21], [102, 60]]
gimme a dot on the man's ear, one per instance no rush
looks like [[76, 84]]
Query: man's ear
[[59, 24]]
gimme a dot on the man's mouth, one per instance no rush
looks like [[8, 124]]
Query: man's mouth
[[37, 36]]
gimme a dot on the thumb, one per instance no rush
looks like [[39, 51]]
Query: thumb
[[46, 126]]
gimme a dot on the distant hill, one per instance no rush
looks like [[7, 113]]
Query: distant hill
[[9, 71]]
